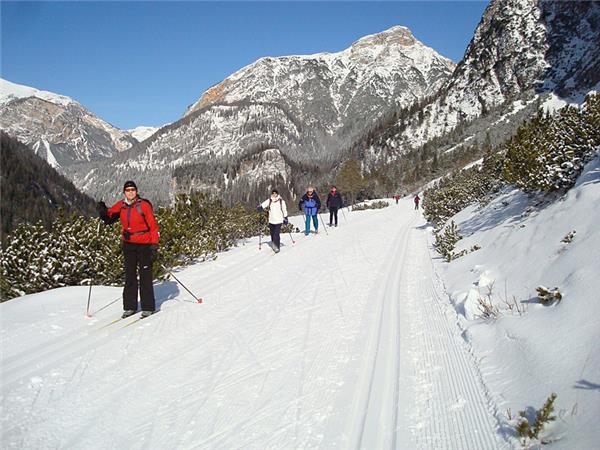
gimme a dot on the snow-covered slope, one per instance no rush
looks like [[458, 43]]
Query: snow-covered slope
[[59, 129], [526, 356], [12, 91], [521, 48], [142, 133]]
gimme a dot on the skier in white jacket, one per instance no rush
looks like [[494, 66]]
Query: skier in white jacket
[[277, 216]]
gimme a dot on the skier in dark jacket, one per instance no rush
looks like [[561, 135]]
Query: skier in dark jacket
[[140, 235], [417, 199], [310, 205], [334, 202]]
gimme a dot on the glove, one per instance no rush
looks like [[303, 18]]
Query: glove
[[102, 209], [285, 221], [103, 214], [259, 208], [154, 252]]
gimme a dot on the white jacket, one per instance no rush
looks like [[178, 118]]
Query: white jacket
[[277, 209]]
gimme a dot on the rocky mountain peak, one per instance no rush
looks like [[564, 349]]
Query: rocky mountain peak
[[397, 35], [56, 127], [390, 55]]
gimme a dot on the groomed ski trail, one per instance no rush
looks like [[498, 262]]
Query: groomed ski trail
[[340, 341]]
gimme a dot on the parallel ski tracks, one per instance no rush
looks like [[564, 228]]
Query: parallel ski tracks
[[375, 416], [421, 386]]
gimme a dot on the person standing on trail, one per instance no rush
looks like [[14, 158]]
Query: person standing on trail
[[396, 197], [417, 199], [278, 215], [310, 205], [334, 202], [139, 236]]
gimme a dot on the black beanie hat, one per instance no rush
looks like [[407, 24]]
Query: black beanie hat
[[129, 184]]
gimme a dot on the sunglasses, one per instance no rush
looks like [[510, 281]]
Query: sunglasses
[[130, 190]]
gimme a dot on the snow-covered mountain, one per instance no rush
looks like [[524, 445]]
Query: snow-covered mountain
[[308, 107], [142, 133], [520, 49], [59, 129]]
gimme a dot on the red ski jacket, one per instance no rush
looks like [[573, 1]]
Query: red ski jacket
[[137, 221]]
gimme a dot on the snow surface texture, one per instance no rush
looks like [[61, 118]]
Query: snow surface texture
[[335, 342], [524, 358]]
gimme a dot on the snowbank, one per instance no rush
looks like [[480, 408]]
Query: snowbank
[[533, 350]]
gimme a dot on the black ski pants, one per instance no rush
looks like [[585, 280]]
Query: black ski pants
[[333, 210], [275, 229], [138, 259]]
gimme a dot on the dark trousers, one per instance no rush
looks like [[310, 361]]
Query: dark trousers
[[138, 259], [333, 214], [275, 229], [416, 206]]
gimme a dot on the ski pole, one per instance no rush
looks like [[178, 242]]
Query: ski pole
[[108, 304], [87, 309], [198, 299], [259, 237], [324, 226], [291, 237]]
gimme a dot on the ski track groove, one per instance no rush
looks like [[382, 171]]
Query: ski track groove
[[303, 365], [365, 417], [469, 414]]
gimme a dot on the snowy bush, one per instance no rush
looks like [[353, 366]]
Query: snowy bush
[[374, 205], [526, 431], [445, 240], [548, 296], [569, 237], [486, 306], [74, 251], [549, 152], [78, 250], [459, 190]]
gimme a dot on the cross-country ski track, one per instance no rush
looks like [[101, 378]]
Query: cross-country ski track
[[345, 340]]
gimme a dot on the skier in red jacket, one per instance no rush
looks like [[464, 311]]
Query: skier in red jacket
[[417, 199], [140, 235]]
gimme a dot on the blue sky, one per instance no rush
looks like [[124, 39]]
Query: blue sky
[[143, 63]]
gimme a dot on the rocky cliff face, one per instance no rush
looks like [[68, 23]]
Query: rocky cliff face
[[520, 49], [59, 129]]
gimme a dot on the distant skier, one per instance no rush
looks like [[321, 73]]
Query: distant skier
[[140, 235], [417, 199], [277, 216], [396, 197], [334, 202], [310, 205]]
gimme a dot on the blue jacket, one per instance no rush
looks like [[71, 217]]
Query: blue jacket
[[310, 205]]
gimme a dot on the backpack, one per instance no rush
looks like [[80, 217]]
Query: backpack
[[269, 205]]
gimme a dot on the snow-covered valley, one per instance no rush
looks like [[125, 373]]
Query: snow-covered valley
[[356, 338]]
